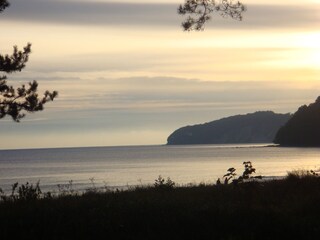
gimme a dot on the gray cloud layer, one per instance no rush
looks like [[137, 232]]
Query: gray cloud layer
[[160, 104], [169, 96], [152, 15]]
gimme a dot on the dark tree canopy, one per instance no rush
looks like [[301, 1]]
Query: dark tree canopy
[[15, 102], [16, 61], [303, 129], [3, 5], [258, 127], [198, 12]]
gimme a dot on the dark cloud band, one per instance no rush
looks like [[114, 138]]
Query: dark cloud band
[[153, 15]]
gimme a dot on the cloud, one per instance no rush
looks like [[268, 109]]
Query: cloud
[[91, 13], [167, 95], [110, 106], [153, 15]]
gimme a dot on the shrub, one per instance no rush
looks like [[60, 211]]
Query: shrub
[[161, 183], [66, 189], [29, 192], [246, 175], [302, 173], [24, 192]]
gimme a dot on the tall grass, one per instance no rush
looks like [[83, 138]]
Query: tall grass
[[276, 209]]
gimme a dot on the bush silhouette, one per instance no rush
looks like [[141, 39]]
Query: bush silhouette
[[161, 183], [246, 175]]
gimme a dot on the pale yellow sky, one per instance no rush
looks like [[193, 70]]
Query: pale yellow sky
[[208, 55], [84, 50]]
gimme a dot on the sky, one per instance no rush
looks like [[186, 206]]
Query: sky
[[127, 74]]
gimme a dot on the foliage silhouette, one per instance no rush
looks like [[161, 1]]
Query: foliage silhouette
[[303, 129], [66, 189], [258, 127], [161, 183], [24, 192], [3, 4], [302, 173], [290, 207], [16, 102], [198, 12], [246, 175]]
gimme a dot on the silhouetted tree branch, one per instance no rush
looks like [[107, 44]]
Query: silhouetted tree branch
[[3, 4], [198, 12], [16, 61], [14, 102]]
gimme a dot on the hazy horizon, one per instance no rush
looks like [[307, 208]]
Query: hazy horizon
[[128, 75]]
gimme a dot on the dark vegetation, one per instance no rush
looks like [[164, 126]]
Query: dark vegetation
[[241, 208], [303, 129], [246, 209], [16, 102], [199, 12], [258, 127]]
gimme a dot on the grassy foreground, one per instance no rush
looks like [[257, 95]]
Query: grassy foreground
[[279, 209]]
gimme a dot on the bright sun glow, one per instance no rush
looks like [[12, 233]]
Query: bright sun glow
[[315, 58], [308, 40], [311, 42]]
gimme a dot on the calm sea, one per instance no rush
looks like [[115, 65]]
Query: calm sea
[[134, 165]]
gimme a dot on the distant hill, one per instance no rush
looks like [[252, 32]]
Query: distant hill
[[258, 127], [303, 129]]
